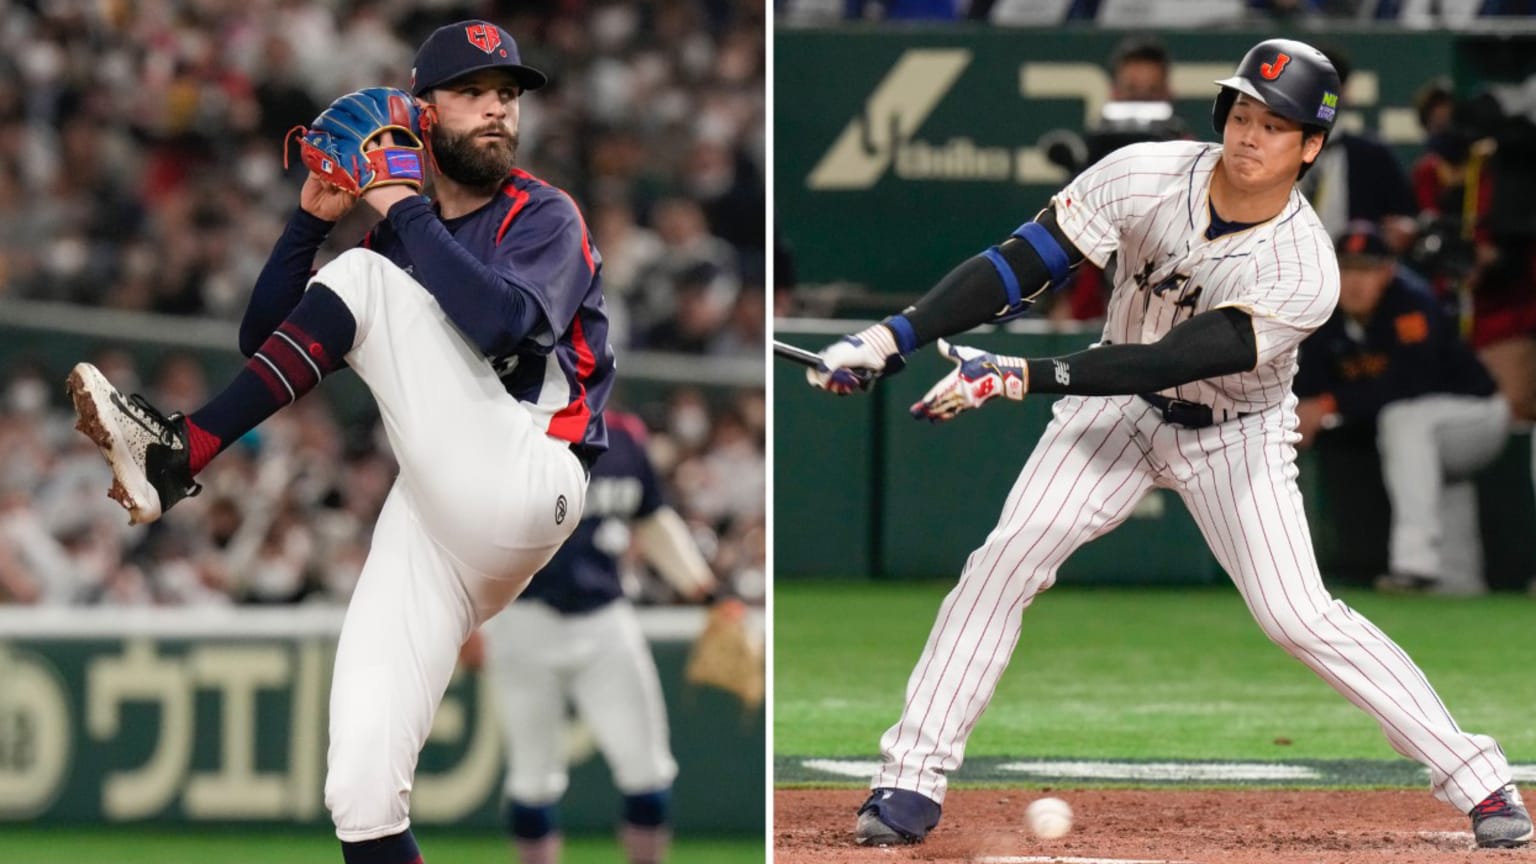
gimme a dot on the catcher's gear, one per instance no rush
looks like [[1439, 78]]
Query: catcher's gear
[[977, 377], [724, 656], [856, 360], [334, 146], [1291, 78]]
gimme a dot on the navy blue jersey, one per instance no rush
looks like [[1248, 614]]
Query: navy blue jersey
[[584, 574], [1409, 348], [540, 315]]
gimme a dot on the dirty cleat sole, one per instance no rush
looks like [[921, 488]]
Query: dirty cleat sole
[[872, 832], [97, 419], [895, 817]]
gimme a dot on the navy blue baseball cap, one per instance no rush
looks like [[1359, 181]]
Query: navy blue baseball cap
[[469, 46], [1362, 246]]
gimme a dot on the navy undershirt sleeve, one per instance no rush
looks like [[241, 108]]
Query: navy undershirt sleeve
[[282, 281], [1214, 343], [492, 311]]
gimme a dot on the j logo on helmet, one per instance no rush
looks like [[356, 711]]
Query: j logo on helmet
[[1271, 71]]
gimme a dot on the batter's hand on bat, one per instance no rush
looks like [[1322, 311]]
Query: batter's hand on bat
[[872, 350], [977, 377]]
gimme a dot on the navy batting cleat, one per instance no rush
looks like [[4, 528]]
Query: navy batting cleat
[[151, 468], [1501, 820], [896, 817]]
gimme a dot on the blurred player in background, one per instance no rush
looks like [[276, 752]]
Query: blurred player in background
[[573, 637], [1389, 357], [477, 321]]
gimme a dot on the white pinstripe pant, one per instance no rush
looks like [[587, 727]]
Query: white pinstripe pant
[[1093, 463]]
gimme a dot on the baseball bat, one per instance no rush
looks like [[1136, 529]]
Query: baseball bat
[[798, 355], [812, 359]]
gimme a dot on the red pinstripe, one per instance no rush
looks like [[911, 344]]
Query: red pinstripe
[[942, 627], [1316, 663], [1368, 650], [1051, 561], [967, 581]]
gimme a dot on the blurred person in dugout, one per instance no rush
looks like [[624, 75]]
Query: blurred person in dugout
[[1357, 178], [1390, 356], [1474, 185], [1140, 108]]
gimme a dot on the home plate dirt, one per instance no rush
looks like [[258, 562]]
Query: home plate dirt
[[1165, 826]]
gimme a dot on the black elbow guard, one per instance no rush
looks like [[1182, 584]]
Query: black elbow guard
[[1036, 256], [996, 285]]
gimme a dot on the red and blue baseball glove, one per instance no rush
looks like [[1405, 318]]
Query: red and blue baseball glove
[[335, 145]]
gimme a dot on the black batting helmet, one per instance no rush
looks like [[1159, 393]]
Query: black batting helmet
[[1292, 78]]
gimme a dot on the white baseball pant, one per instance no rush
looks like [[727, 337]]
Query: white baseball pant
[[602, 663], [472, 516], [1431, 447]]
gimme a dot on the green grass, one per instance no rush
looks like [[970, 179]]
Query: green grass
[[145, 845], [1117, 673]]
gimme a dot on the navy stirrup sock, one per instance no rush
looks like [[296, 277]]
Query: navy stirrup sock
[[395, 849], [305, 348]]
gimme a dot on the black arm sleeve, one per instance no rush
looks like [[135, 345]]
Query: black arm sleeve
[[1218, 342], [973, 293]]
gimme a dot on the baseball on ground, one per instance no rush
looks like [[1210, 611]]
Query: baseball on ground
[[1049, 818]]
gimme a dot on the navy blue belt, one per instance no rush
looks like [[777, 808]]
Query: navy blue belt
[[1190, 415]]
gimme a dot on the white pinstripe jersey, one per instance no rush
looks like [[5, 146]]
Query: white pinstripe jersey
[[1150, 203]]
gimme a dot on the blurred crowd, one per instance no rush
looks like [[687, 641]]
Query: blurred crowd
[[141, 144], [285, 515], [141, 168], [1160, 13]]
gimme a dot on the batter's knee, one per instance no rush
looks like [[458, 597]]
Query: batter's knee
[[368, 802]]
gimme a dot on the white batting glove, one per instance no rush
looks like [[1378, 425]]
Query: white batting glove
[[977, 377], [856, 360]]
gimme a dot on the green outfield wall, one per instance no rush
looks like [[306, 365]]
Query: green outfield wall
[[209, 728], [899, 151], [863, 490]]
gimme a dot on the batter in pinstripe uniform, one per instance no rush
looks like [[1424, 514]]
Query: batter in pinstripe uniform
[[1223, 270]]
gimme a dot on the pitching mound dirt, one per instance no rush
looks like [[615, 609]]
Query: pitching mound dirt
[[986, 826]]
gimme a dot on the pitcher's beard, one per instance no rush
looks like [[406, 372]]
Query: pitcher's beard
[[469, 163]]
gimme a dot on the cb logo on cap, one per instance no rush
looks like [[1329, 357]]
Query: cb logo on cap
[[483, 36]]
